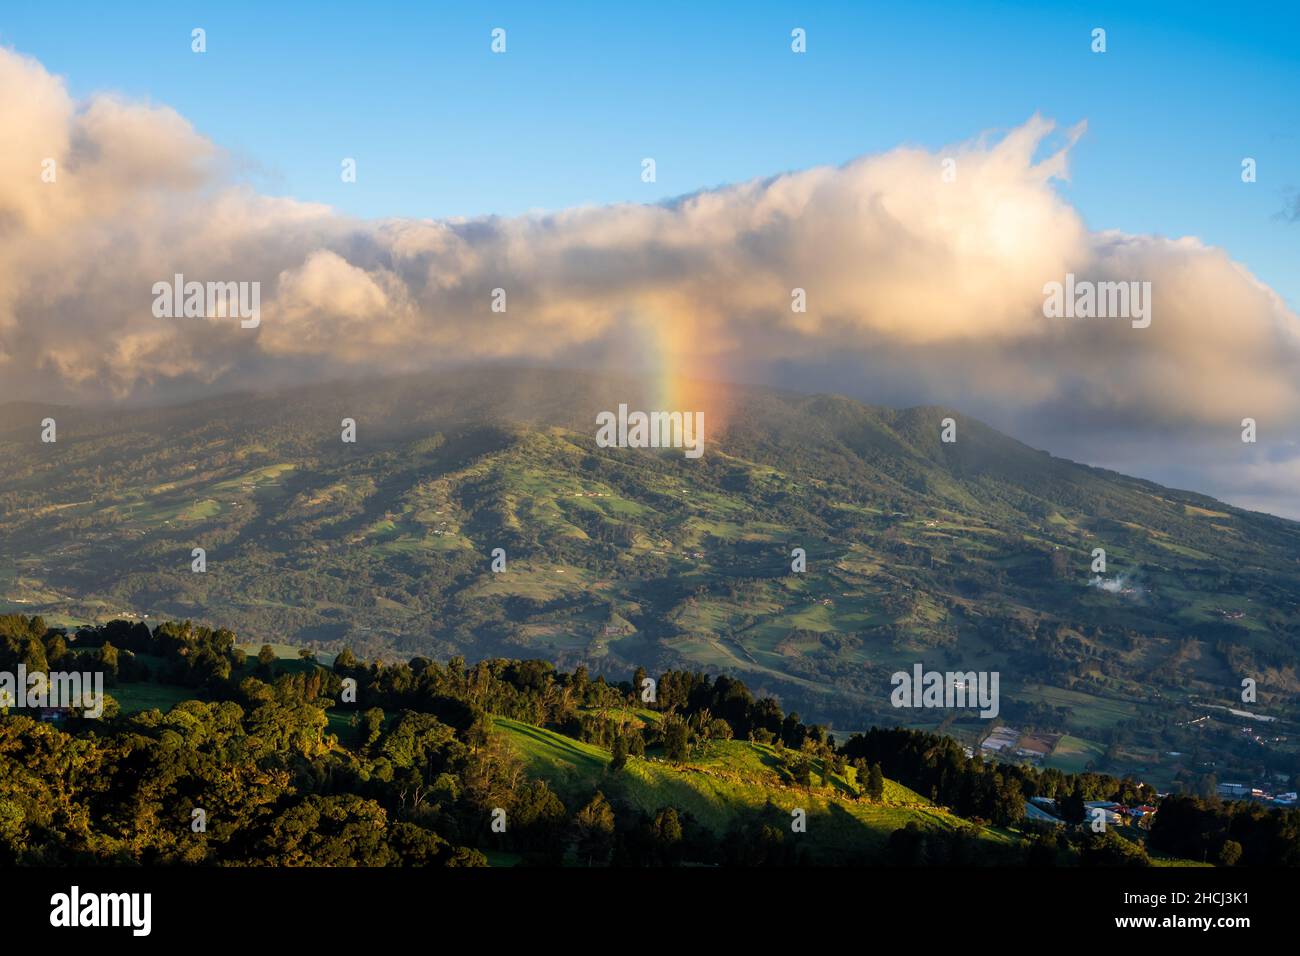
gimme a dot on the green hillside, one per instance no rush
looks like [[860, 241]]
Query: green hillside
[[510, 761], [726, 779], [974, 555]]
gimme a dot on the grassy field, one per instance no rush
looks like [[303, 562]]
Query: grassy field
[[1073, 754], [1086, 710], [723, 780], [133, 698], [283, 652]]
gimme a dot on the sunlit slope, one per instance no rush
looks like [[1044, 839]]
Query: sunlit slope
[[728, 779]]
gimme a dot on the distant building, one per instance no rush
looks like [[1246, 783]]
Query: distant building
[[1035, 814]]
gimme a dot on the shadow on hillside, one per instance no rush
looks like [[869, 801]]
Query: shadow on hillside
[[838, 838]]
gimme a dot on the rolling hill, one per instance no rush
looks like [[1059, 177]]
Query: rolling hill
[[730, 779], [971, 555]]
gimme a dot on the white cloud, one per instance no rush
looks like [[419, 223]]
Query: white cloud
[[927, 287]]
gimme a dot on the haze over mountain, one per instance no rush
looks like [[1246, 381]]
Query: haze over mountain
[[974, 555], [919, 289]]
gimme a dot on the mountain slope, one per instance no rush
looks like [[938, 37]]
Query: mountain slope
[[974, 555]]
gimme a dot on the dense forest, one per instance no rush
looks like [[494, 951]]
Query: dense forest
[[275, 762]]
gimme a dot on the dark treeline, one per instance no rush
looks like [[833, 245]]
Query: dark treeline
[[371, 763], [1230, 833], [939, 768], [256, 758], [173, 652]]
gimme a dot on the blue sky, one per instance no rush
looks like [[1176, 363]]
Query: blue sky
[[441, 127]]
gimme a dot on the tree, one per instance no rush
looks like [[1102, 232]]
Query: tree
[[1111, 849], [1010, 806], [372, 722], [537, 823], [802, 771], [56, 646], [108, 657], [594, 828], [343, 830], [668, 835], [861, 772], [1229, 853], [618, 754], [1073, 810], [676, 739], [876, 783], [416, 846], [635, 743]]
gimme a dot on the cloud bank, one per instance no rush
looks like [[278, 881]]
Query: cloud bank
[[918, 288]]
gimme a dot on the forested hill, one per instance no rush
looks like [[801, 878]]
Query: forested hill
[[971, 555], [206, 755]]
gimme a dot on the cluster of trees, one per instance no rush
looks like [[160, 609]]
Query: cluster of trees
[[1229, 833], [208, 783], [255, 773], [174, 652], [938, 767], [383, 764]]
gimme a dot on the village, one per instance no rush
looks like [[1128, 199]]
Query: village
[[1008, 743]]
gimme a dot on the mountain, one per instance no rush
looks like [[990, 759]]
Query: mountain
[[970, 555]]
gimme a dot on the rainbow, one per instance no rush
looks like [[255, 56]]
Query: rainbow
[[683, 376]]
